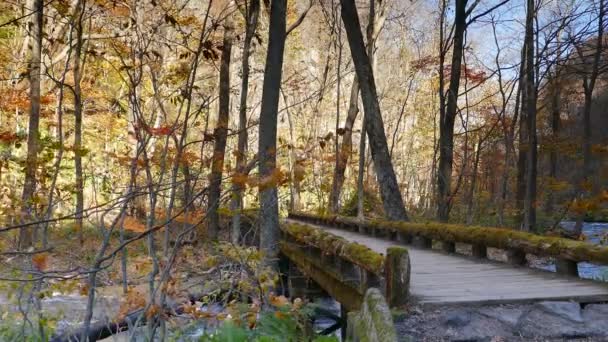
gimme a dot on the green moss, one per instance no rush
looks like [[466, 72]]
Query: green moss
[[487, 236], [334, 245]]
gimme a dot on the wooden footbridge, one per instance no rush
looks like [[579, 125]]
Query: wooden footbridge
[[435, 264]]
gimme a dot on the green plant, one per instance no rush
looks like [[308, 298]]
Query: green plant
[[284, 324]]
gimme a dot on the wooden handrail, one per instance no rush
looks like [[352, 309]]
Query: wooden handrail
[[391, 273], [566, 251]]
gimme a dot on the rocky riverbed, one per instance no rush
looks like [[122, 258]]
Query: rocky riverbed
[[543, 321]]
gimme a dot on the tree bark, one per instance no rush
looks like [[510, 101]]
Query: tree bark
[[269, 207], [446, 125], [78, 150], [389, 188], [334, 196], [220, 133], [236, 206], [346, 146], [555, 126], [520, 191], [588, 86], [530, 109], [26, 234]]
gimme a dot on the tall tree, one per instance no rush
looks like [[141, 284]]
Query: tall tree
[[530, 110], [78, 150], [252, 13], [31, 162], [375, 23], [221, 132], [589, 81], [389, 188], [269, 206], [448, 117]]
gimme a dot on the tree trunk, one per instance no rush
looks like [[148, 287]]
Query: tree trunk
[[446, 126], [253, 11], [389, 188], [220, 134], [269, 206], [471, 195], [334, 196], [31, 164], [346, 147], [78, 120], [589, 85], [555, 126], [520, 191], [530, 104]]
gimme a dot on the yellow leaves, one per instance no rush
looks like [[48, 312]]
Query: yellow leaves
[[83, 289], [587, 185], [152, 311], [40, 261], [599, 149], [278, 301], [581, 206], [133, 224], [603, 196], [556, 185], [275, 178], [240, 179], [133, 300], [179, 216], [299, 172]]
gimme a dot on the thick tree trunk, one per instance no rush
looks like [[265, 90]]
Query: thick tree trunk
[[520, 191], [446, 125], [78, 120], [220, 134], [31, 163], [589, 86], [269, 206], [236, 204], [530, 106], [346, 147], [471, 195], [555, 126], [334, 196], [389, 188]]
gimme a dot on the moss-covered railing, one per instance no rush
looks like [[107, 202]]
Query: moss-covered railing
[[517, 244], [345, 269]]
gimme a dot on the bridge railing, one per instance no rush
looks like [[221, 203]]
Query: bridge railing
[[344, 269], [517, 244]]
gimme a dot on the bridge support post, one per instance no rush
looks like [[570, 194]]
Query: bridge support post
[[479, 251], [567, 267], [516, 257], [422, 242], [397, 276], [404, 238], [448, 247]]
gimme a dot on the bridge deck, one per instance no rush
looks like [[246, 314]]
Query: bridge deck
[[438, 278]]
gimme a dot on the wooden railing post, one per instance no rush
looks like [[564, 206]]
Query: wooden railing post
[[397, 276], [567, 267], [479, 251], [422, 242], [516, 257], [448, 246]]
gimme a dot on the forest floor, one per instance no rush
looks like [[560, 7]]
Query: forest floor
[[210, 273]]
